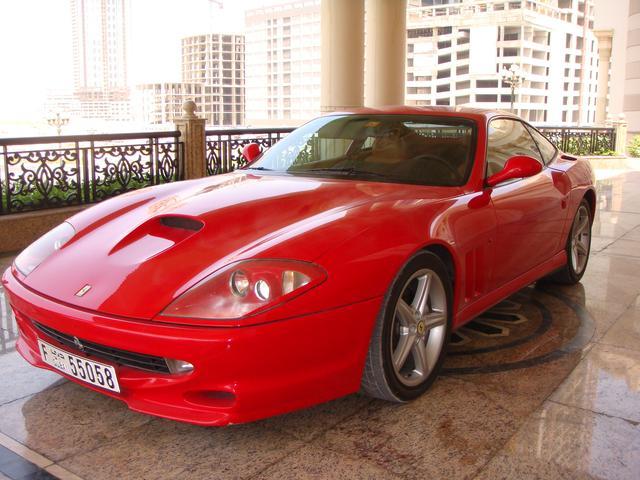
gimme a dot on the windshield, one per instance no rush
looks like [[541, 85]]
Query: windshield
[[425, 150]]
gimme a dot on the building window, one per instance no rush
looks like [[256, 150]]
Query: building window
[[487, 98], [487, 83]]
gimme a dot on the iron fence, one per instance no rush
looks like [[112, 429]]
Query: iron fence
[[582, 140], [224, 147], [47, 172]]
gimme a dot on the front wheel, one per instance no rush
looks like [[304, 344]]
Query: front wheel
[[411, 334], [578, 248]]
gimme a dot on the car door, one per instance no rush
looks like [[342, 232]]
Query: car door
[[530, 212]]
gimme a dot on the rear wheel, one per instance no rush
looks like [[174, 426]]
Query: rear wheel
[[577, 248], [410, 337]]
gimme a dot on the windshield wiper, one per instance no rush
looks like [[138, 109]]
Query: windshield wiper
[[343, 171], [259, 168]]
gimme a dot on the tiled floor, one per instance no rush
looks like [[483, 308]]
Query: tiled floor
[[546, 385]]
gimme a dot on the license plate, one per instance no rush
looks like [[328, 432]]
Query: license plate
[[98, 374]]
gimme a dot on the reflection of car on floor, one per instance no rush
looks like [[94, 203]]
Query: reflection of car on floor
[[338, 260]]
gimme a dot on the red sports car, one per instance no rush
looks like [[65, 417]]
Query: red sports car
[[338, 260]]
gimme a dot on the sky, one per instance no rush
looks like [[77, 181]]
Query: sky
[[36, 45]]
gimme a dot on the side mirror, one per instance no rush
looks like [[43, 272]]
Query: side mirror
[[520, 166], [251, 152]]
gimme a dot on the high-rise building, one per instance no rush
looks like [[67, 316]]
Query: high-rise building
[[283, 63], [161, 103], [217, 62], [99, 29], [457, 51]]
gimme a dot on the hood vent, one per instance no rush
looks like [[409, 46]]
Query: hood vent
[[184, 223]]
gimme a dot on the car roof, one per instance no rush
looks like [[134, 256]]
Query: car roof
[[478, 114]]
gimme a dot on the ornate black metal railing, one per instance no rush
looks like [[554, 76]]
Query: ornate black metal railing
[[47, 172], [224, 147], [582, 140]]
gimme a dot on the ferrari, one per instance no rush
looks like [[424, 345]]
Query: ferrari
[[338, 260]]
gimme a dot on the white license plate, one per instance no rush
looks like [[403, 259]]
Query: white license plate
[[98, 374]]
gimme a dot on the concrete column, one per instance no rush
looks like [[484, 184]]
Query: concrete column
[[385, 56], [192, 134], [605, 42], [631, 103], [342, 54]]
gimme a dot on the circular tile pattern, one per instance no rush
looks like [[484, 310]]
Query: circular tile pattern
[[533, 326]]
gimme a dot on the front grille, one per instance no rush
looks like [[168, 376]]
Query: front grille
[[115, 355]]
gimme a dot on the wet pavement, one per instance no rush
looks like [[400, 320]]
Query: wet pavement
[[544, 385]]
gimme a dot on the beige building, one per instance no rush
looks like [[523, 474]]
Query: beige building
[[217, 61], [99, 31], [283, 63], [458, 51]]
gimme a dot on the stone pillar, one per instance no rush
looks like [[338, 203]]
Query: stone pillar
[[192, 134], [621, 134], [605, 42], [385, 57], [342, 54], [631, 104]]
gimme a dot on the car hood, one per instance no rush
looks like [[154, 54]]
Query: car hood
[[141, 250]]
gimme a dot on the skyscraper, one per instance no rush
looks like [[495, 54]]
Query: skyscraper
[[216, 60], [283, 63], [99, 29]]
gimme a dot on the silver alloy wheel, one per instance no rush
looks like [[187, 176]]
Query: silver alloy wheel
[[419, 327], [580, 240]]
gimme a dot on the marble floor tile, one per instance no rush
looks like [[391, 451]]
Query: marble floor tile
[[606, 381], [172, 450], [67, 420], [632, 235], [614, 224], [624, 247], [527, 387], [19, 379], [448, 433], [561, 442], [310, 422], [598, 244], [316, 463], [625, 332]]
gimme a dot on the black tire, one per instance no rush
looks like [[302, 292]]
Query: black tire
[[380, 379], [571, 274]]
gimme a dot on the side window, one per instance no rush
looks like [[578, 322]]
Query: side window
[[508, 138], [547, 149]]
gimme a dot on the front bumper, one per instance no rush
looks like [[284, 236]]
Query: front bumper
[[240, 374]]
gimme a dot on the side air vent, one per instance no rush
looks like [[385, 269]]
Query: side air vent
[[185, 223]]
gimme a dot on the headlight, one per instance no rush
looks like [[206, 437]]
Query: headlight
[[246, 288], [34, 254]]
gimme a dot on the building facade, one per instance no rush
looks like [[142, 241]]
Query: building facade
[[283, 63], [161, 103], [457, 52], [99, 30], [217, 62]]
